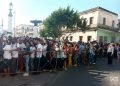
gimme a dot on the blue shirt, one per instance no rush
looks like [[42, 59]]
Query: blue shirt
[[81, 48]]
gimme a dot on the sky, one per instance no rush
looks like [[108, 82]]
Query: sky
[[26, 10]]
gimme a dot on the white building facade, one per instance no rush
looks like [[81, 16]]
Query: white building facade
[[27, 30], [103, 24]]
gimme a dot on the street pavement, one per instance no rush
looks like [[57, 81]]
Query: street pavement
[[101, 74], [42, 79]]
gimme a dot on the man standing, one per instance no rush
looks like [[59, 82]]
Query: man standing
[[7, 58], [80, 51], [26, 58], [15, 48], [38, 57], [1, 50], [110, 52]]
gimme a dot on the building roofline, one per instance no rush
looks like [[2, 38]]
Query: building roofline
[[24, 25], [96, 9]]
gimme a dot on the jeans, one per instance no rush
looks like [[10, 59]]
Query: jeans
[[26, 62], [14, 65], [79, 59], [91, 58], [7, 63], [32, 64], [37, 65]]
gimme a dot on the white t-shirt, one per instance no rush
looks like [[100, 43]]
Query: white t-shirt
[[39, 51], [32, 49], [44, 49], [60, 52], [110, 49], [22, 45], [7, 53], [14, 47]]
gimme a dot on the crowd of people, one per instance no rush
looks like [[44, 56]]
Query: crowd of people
[[32, 55]]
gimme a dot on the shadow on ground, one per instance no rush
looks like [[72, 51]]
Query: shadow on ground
[[100, 75]]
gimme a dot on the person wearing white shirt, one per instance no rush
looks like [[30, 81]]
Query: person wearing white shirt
[[38, 57], [22, 45], [32, 56], [44, 58], [20, 59], [44, 49], [26, 58], [60, 56], [7, 58], [15, 48], [91, 55], [39, 51], [110, 52]]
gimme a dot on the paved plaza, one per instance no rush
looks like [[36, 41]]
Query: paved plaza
[[43, 79], [100, 75]]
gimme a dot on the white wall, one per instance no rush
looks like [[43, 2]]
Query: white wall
[[109, 34], [109, 18], [91, 14], [30, 33], [87, 33], [98, 17]]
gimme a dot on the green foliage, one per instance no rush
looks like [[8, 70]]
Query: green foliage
[[43, 33], [62, 18], [84, 25]]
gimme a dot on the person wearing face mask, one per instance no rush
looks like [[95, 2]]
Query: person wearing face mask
[[110, 52]]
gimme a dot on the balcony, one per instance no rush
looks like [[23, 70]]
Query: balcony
[[107, 27], [93, 25]]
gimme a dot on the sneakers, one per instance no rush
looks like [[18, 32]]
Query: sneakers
[[75, 65], [65, 69], [94, 63], [26, 74]]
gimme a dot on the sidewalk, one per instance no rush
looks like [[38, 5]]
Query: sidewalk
[[43, 79]]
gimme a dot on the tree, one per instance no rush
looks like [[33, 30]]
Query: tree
[[43, 33], [82, 25], [63, 19]]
